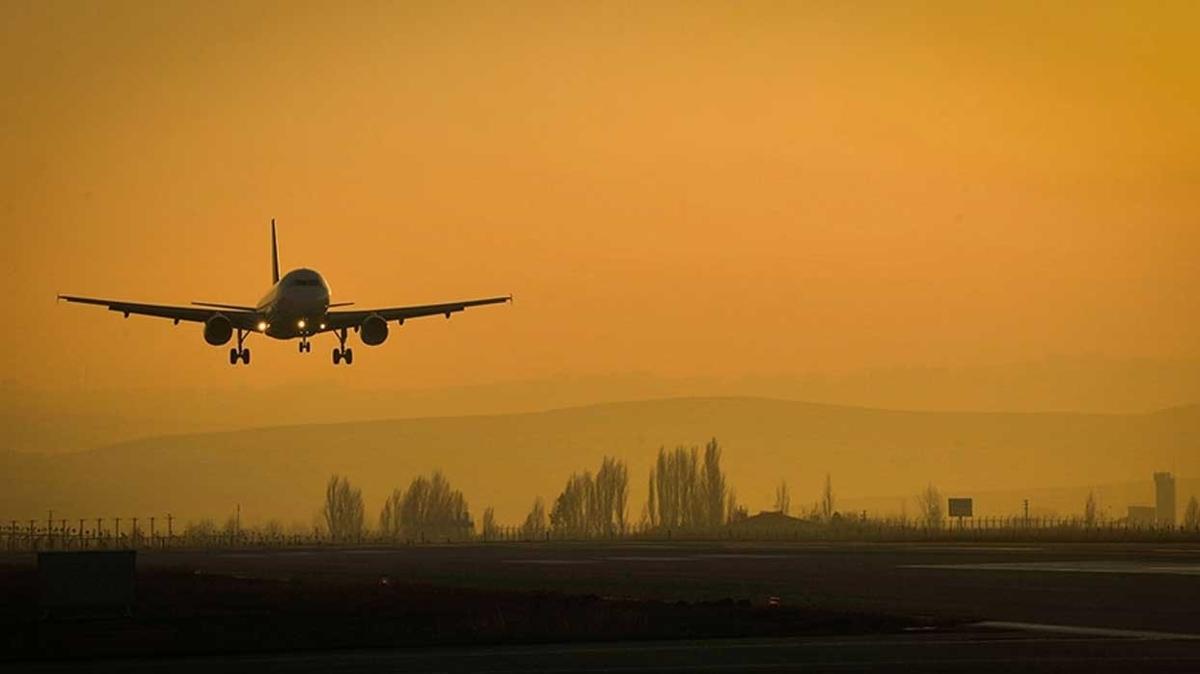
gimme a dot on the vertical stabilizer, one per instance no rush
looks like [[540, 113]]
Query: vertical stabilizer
[[274, 255]]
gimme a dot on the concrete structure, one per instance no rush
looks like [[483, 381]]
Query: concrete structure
[[1164, 499]]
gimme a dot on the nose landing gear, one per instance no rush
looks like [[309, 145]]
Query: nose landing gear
[[239, 352], [305, 345], [342, 353]]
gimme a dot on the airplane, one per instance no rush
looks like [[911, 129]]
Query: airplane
[[296, 307]]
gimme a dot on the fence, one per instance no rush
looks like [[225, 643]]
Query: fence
[[32, 535]]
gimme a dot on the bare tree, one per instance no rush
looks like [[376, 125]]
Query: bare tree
[[571, 515], [734, 512], [490, 531], [827, 503], [929, 505], [196, 533], [1191, 515], [1089, 510], [611, 498], [686, 493], [389, 515], [343, 510], [783, 498], [272, 529], [534, 526], [714, 491], [593, 506], [429, 508]]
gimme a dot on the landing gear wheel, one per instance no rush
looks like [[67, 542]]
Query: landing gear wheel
[[337, 356], [239, 352], [349, 356]]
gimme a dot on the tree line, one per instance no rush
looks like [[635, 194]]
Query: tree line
[[688, 491]]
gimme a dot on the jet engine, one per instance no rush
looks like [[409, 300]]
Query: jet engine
[[374, 330], [217, 330]]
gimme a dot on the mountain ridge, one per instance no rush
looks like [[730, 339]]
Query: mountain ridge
[[279, 471]]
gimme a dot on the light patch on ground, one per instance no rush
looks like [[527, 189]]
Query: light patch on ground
[[1073, 567], [636, 558], [1086, 631], [745, 555], [550, 562]]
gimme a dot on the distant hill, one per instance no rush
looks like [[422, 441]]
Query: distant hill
[[506, 460]]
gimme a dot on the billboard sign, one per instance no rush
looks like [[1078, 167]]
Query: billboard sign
[[961, 507]]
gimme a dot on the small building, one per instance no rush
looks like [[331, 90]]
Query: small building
[[770, 522], [1142, 516]]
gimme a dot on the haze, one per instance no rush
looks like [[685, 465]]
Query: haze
[[698, 192]]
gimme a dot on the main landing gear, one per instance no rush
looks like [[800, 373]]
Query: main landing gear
[[239, 352], [305, 345], [342, 353]]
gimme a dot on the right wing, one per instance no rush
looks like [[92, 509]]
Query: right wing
[[346, 319], [244, 320]]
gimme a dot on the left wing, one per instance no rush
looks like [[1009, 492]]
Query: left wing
[[244, 320], [336, 320]]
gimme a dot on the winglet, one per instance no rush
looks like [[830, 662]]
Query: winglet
[[274, 255]]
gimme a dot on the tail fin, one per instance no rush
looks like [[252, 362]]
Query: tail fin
[[274, 255]]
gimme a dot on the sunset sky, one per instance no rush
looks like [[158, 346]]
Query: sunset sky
[[685, 189]]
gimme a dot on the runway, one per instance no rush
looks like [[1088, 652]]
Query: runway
[[1117, 586], [982, 651], [976, 608]]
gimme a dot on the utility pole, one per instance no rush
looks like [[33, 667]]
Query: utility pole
[[170, 530], [152, 531], [1026, 512]]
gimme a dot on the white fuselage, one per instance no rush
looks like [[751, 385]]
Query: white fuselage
[[295, 306]]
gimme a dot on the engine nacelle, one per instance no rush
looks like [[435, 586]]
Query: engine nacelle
[[374, 330], [217, 330]]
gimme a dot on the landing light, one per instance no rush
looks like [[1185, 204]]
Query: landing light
[[300, 324], [322, 326], [262, 326]]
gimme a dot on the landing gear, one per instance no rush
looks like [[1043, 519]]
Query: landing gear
[[305, 346], [239, 352], [342, 353]]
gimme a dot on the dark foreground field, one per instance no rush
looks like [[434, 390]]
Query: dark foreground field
[[637, 606]]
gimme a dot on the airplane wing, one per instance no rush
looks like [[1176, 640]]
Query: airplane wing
[[336, 320], [244, 320]]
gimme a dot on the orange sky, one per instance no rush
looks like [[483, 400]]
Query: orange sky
[[691, 189]]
